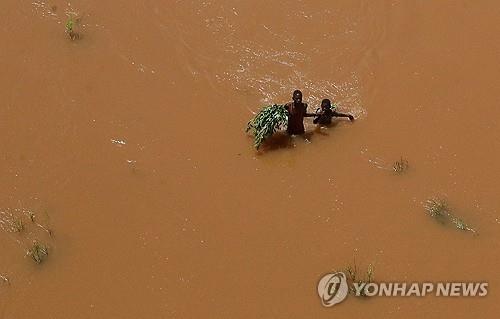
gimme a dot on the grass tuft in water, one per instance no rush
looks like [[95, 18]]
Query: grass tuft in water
[[354, 278], [439, 210], [17, 225], [269, 120], [31, 216], [400, 166], [11, 222], [4, 279], [460, 224], [38, 252], [70, 29]]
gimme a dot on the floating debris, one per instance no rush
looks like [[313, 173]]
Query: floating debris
[[439, 210], [118, 142], [38, 252], [269, 120]]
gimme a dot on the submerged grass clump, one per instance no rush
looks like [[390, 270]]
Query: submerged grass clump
[[439, 210], [26, 223], [269, 120], [11, 222], [38, 252], [400, 166], [354, 279], [17, 225]]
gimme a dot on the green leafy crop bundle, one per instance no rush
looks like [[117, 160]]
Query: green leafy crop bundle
[[269, 120]]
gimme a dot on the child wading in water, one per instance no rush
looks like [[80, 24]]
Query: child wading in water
[[326, 113]]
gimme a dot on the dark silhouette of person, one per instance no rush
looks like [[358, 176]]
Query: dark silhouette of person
[[296, 113], [325, 114]]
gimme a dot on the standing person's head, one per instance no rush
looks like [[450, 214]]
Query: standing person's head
[[326, 104], [297, 97]]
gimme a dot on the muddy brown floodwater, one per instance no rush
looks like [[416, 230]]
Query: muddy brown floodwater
[[129, 145]]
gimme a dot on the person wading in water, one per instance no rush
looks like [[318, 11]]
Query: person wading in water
[[296, 113], [327, 112]]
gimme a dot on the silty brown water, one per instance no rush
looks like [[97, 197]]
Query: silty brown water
[[129, 144]]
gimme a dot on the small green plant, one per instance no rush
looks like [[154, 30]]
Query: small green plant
[[38, 252], [400, 166], [439, 210], [69, 25], [70, 29], [353, 278], [269, 120]]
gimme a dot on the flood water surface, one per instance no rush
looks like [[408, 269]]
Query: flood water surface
[[125, 152]]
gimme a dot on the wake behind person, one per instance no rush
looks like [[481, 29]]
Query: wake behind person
[[296, 113]]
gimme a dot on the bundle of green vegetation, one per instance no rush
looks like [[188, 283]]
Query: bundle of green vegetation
[[269, 120], [38, 252]]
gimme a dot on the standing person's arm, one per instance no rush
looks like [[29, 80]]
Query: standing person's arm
[[337, 114], [308, 114]]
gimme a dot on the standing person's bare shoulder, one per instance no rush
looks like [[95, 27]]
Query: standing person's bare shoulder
[[288, 105]]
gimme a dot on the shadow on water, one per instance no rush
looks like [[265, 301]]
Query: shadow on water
[[281, 140]]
